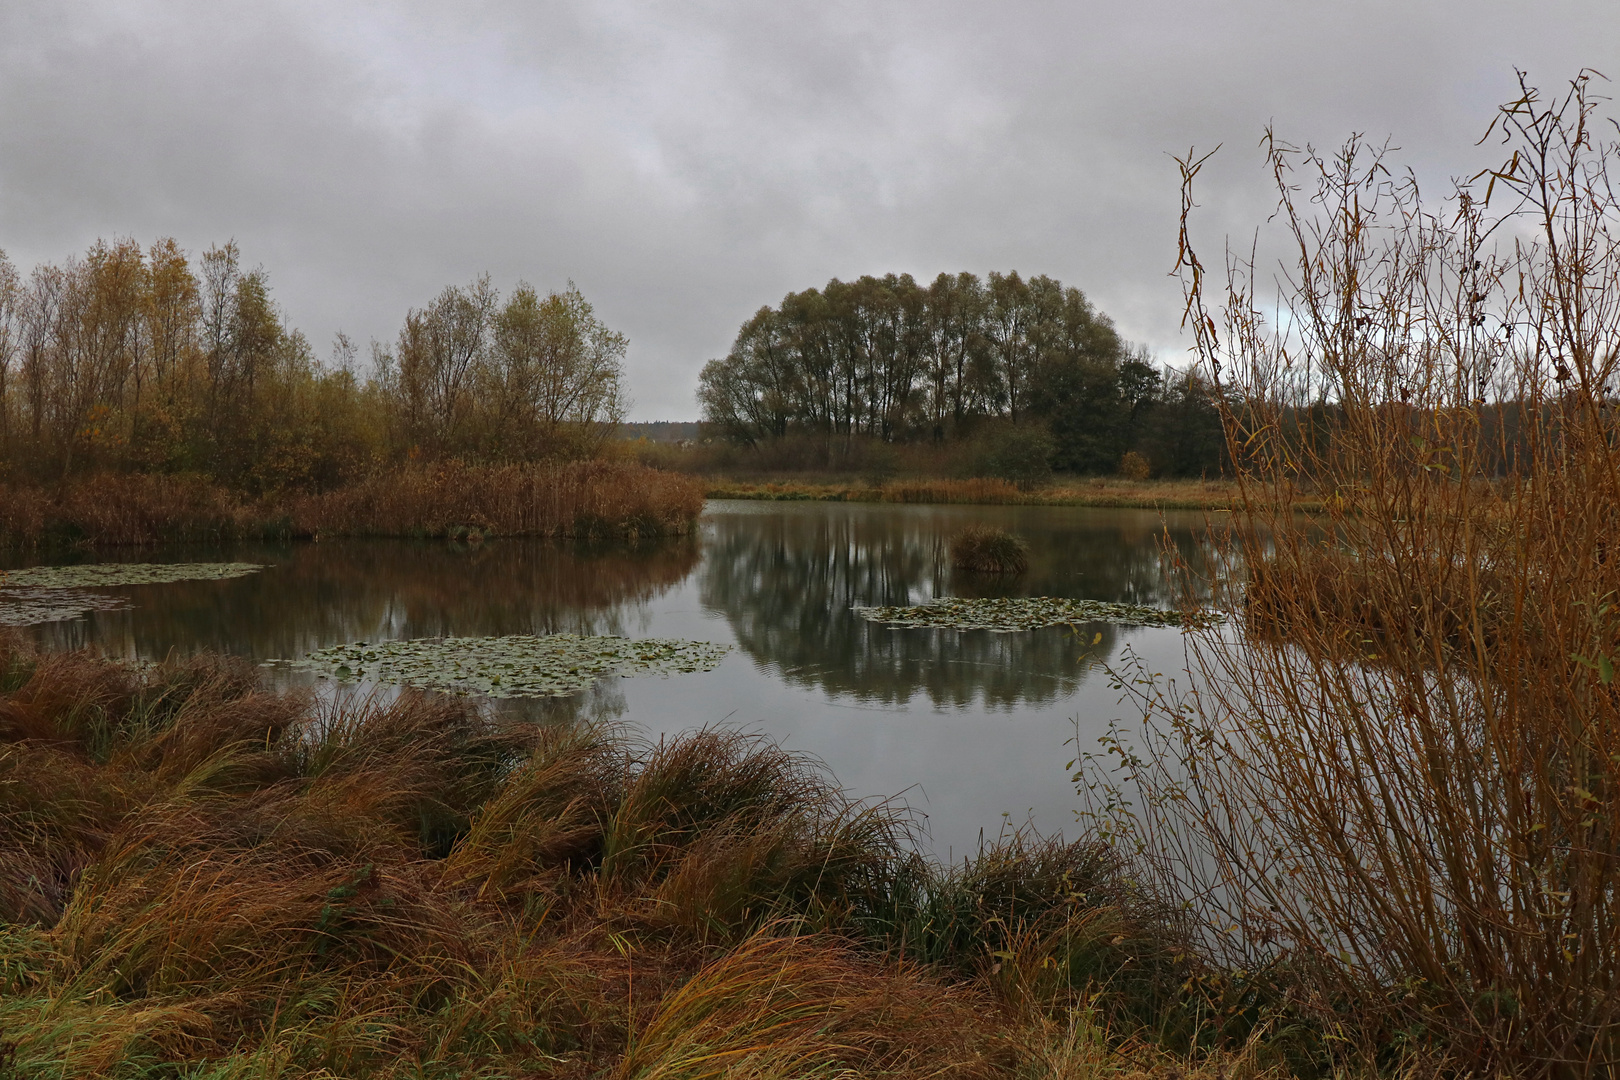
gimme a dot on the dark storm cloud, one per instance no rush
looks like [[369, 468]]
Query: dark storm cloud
[[686, 163]]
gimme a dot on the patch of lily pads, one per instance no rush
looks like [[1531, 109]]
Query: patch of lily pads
[[554, 665], [1007, 615], [42, 594], [29, 607], [111, 575]]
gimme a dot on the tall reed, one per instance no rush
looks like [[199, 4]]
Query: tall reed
[[1410, 801], [578, 499]]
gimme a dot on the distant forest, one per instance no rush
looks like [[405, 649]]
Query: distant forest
[[1004, 358]]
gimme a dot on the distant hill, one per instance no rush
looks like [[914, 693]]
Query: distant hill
[[661, 431]]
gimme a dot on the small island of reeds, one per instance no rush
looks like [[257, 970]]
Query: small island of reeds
[[989, 549]]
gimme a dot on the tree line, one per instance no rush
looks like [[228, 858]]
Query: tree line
[[137, 359], [892, 360]]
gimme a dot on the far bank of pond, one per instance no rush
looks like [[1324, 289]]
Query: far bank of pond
[[972, 728]]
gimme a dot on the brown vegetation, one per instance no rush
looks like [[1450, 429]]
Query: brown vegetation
[[451, 499], [1426, 844], [986, 549], [199, 877]]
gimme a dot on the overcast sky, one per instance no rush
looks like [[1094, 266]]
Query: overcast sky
[[685, 163]]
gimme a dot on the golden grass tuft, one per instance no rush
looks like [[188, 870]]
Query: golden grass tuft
[[987, 549]]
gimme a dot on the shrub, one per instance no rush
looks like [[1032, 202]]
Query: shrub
[[1427, 840], [1021, 454], [1134, 466]]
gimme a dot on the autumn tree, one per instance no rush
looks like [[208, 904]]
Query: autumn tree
[[556, 375]]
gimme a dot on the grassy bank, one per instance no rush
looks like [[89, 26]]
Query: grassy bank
[[578, 499], [200, 878], [1081, 491]]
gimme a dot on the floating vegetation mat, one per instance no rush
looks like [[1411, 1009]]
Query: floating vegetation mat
[[517, 666], [1009, 615], [42, 594], [28, 607], [109, 575]]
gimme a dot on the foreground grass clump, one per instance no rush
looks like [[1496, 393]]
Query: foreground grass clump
[[578, 499], [986, 549], [202, 878]]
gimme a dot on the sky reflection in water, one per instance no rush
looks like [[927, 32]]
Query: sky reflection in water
[[970, 728]]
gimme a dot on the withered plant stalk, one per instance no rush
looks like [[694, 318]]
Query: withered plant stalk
[[1409, 798]]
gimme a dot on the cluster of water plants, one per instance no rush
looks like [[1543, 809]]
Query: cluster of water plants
[[1007, 615], [518, 665], [112, 575], [41, 594]]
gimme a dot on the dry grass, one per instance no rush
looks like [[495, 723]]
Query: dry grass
[[460, 501], [591, 498], [124, 509], [202, 879], [986, 549]]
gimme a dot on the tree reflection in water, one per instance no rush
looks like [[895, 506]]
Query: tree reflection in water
[[787, 579], [783, 576]]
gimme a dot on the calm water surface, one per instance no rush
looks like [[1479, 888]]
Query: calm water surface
[[973, 729]]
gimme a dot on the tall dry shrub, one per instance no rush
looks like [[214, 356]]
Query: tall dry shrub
[[1411, 801]]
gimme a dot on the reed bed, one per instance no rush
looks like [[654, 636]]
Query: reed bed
[[120, 508], [202, 878], [581, 499]]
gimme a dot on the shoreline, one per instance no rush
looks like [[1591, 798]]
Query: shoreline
[[1101, 493]]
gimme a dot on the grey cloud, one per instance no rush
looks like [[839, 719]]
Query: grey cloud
[[686, 163]]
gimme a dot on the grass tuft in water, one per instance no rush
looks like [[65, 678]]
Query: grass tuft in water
[[986, 549]]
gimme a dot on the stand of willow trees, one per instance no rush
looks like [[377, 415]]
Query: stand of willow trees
[[888, 359], [136, 360]]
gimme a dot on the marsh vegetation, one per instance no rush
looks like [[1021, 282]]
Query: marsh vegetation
[[1378, 837], [199, 875]]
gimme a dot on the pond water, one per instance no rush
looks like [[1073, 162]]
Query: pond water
[[972, 729]]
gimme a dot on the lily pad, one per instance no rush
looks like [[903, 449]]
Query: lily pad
[[110, 575], [1006, 615], [516, 666], [29, 607]]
